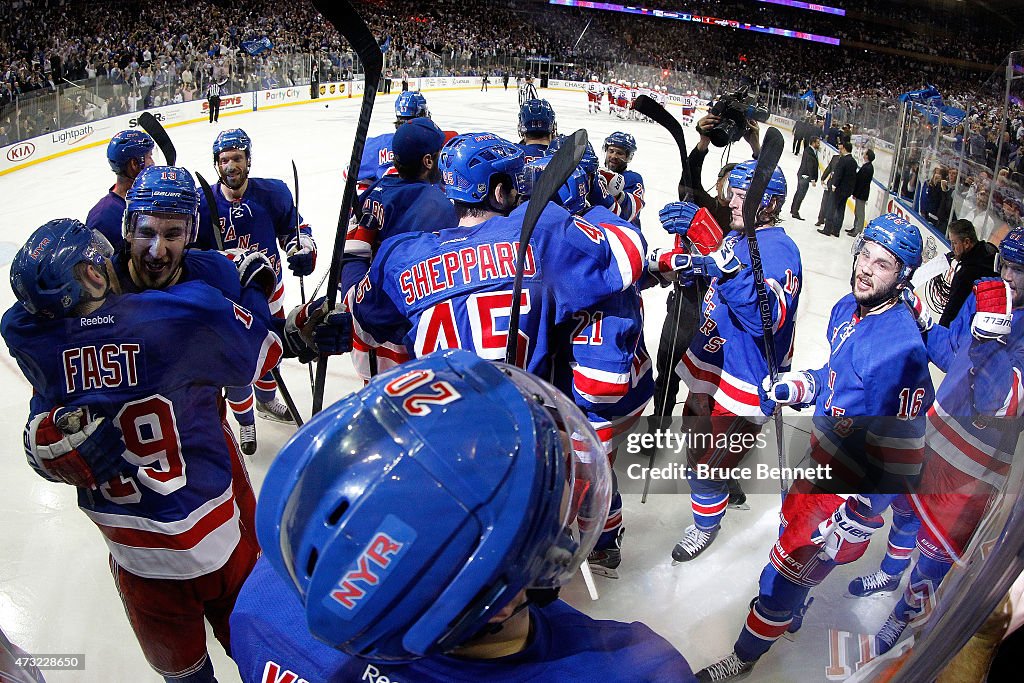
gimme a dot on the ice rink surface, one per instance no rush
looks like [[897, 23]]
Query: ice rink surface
[[56, 593]]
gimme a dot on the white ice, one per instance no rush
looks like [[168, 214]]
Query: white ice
[[56, 594]]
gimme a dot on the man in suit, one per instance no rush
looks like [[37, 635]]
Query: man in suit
[[842, 182], [826, 191], [861, 190], [799, 134], [807, 174]]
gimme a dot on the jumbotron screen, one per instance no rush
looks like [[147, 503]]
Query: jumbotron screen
[[698, 19]]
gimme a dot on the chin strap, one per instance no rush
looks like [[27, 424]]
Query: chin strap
[[541, 597]]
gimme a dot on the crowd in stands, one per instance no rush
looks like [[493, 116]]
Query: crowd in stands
[[143, 55]]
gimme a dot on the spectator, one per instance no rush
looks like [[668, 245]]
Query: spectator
[[972, 259], [861, 191]]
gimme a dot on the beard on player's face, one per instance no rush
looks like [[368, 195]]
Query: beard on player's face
[[876, 275]]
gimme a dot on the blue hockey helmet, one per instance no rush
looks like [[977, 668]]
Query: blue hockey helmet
[[536, 117], [589, 163], [742, 175], [900, 237], [233, 138], [411, 104], [407, 515], [43, 271], [572, 195], [469, 161], [1011, 249], [163, 189], [128, 145], [622, 141]]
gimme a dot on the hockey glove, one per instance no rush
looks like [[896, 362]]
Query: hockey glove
[[311, 332], [676, 217], [666, 264], [613, 183], [916, 306], [301, 251], [796, 389], [67, 445], [844, 529], [993, 318], [598, 195], [254, 268]]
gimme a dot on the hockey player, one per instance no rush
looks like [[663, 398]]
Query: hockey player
[[725, 361], [868, 426], [595, 91], [607, 369], [662, 95], [396, 204], [452, 288], [257, 214], [625, 186], [537, 127], [971, 440], [463, 584], [377, 153], [136, 428], [622, 100], [128, 153]]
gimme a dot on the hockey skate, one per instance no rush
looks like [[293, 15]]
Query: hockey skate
[[890, 632], [732, 668], [605, 561], [247, 438], [798, 620], [879, 582], [694, 542], [274, 410], [737, 498]]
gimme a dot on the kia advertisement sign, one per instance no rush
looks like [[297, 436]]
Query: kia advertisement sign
[[20, 152]]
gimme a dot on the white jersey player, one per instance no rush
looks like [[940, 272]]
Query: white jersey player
[[595, 91]]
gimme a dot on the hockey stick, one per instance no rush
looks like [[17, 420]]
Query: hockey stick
[[302, 280], [652, 110], [767, 160], [554, 176], [350, 25], [151, 125], [211, 202]]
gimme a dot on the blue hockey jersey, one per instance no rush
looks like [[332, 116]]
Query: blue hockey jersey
[[629, 205], [612, 378], [453, 289], [392, 206], [726, 358], [872, 395], [532, 150], [271, 643], [108, 217], [153, 364], [261, 221], [973, 425]]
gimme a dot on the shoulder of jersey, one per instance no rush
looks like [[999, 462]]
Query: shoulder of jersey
[[212, 268]]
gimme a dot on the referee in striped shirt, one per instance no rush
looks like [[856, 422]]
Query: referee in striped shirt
[[213, 97]]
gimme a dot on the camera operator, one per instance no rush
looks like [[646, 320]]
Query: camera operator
[[683, 302]]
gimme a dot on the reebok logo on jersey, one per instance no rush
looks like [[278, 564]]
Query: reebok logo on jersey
[[372, 674], [372, 567], [98, 320]]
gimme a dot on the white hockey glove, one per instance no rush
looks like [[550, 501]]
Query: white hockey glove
[[994, 316], [844, 528], [254, 268], [612, 183], [795, 389]]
